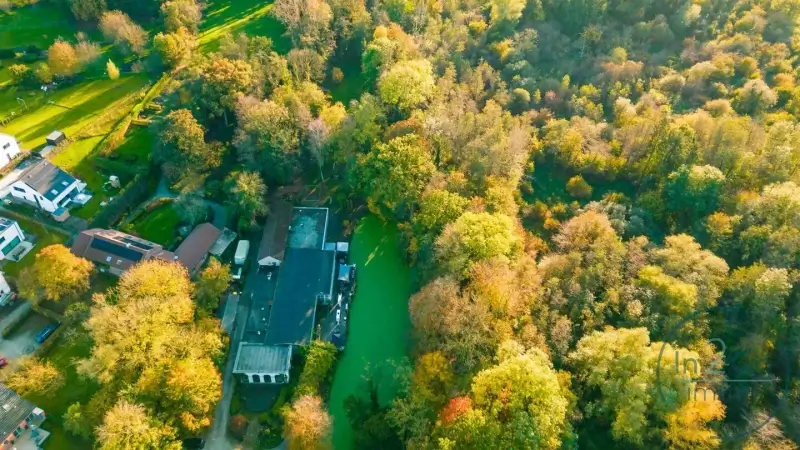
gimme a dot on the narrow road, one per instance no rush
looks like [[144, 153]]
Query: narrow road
[[217, 438]]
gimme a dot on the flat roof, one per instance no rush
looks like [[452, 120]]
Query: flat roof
[[304, 274], [308, 228], [262, 358]]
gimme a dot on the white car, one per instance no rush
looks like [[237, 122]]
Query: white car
[[269, 275], [338, 315]]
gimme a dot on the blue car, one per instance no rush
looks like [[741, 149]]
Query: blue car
[[46, 332]]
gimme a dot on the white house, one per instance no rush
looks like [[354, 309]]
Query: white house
[[11, 236], [9, 149], [49, 188]]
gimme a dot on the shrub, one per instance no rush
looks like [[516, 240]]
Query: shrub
[[238, 426], [337, 75], [578, 187]]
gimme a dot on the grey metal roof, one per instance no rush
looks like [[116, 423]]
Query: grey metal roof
[[13, 410], [46, 179], [262, 358], [303, 275]]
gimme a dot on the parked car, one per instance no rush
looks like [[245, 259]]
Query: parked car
[[46, 332], [3, 362], [194, 443]]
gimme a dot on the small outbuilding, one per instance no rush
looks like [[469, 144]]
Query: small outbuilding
[[55, 138]]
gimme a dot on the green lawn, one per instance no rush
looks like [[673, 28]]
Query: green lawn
[[37, 25], [159, 225], [248, 16], [379, 322], [44, 237], [72, 108], [76, 389], [138, 144]]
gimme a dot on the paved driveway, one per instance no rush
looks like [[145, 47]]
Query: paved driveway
[[23, 340]]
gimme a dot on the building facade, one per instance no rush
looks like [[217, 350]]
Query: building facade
[[263, 364], [17, 418], [9, 149], [49, 188], [11, 236]]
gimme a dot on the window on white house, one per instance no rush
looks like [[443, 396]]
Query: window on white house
[[6, 145]]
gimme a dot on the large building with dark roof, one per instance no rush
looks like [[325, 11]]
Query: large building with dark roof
[[305, 279], [116, 251], [306, 274]]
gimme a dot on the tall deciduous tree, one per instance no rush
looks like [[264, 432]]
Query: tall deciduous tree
[[308, 23], [182, 149], [56, 274], [248, 196], [127, 426], [307, 425], [62, 59], [179, 14], [407, 84], [476, 237], [212, 282], [127, 35], [393, 176], [30, 376]]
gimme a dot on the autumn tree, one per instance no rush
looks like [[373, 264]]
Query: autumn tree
[[620, 369], [693, 193], [112, 70], [475, 237], [578, 187], [174, 47], [87, 10], [222, 81], [393, 176], [56, 275], [212, 282], [62, 59], [116, 26], [182, 149], [320, 358], [407, 84], [145, 337], [31, 376], [179, 14], [307, 425], [248, 196], [128, 425], [267, 138], [518, 402], [307, 23]]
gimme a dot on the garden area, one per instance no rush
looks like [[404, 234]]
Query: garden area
[[159, 224]]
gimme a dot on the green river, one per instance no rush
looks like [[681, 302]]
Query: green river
[[379, 323]]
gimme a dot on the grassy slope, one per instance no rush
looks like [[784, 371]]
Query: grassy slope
[[37, 25], [74, 107], [248, 16], [379, 323], [159, 225]]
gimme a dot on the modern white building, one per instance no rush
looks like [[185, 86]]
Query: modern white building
[[9, 149], [49, 188], [11, 236]]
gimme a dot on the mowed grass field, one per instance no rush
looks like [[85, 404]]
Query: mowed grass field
[[249, 16], [68, 109], [40, 25]]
